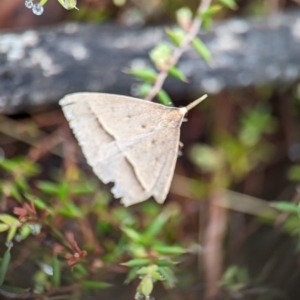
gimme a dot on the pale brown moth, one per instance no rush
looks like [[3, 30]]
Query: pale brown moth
[[128, 141]]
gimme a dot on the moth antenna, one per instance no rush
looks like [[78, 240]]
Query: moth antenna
[[196, 102]]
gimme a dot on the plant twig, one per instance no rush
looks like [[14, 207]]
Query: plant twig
[[192, 33]]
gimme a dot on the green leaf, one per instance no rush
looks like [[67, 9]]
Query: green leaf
[[63, 191], [4, 265], [143, 89], [157, 276], [132, 234], [11, 233], [207, 14], [95, 285], [9, 220], [165, 263], [176, 35], [48, 187], [21, 184], [80, 269], [143, 271], [201, 48], [286, 207], [4, 227], [178, 74], [137, 262], [147, 74], [146, 286], [229, 3], [70, 210], [184, 17], [14, 192], [168, 275], [38, 203], [132, 274], [164, 98], [8, 165], [83, 188], [56, 272], [24, 232], [156, 226], [169, 250], [160, 55], [43, 2], [68, 4]]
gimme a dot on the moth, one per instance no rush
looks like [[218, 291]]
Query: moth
[[128, 141]]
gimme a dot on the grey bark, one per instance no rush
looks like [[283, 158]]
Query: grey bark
[[39, 66]]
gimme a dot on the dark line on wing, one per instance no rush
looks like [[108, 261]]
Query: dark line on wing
[[130, 164]]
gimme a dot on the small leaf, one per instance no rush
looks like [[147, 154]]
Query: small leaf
[[63, 191], [82, 188], [175, 72], [176, 35], [11, 233], [229, 3], [56, 272], [22, 184], [9, 220], [165, 263], [156, 226], [4, 227], [38, 203], [146, 74], [132, 234], [95, 285], [164, 98], [160, 55], [169, 250], [24, 232], [70, 210], [4, 265], [146, 286], [68, 4], [137, 262], [14, 192], [201, 48], [143, 271], [131, 274], [286, 206], [168, 275], [8, 165], [207, 14], [42, 2], [142, 90], [48, 187], [157, 276], [184, 17]]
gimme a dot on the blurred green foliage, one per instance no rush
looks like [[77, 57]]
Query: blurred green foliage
[[117, 228]]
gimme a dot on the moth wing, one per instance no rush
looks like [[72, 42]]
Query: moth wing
[[128, 141]]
